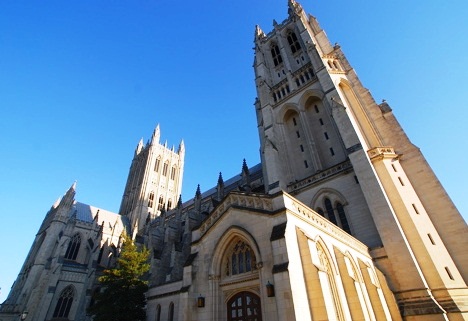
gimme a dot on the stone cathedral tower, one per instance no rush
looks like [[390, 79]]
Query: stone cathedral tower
[[325, 141], [154, 181]]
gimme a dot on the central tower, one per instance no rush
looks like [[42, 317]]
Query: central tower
[[154, 181]]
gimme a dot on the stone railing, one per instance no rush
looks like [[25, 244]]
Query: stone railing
[[320, 176], [304, 212]]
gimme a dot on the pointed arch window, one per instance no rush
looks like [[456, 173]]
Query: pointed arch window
[[173, 172], [156, 165], [151, 200], [276, 55], [73, 247], [336, 215], [240, 259], [160, 203], [158, 313], [169, 204], [171, 312], [320, 211], [293, 42], [64, 303], [330, 282], [342, 217], [165, 166], [329, 209]]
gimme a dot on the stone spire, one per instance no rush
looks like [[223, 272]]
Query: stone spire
[[294, 7], [179, 202], [181, 149], [245, 181], [67, 200], [139, 147], [220, 187], [156, 135], [197, 199], [258, 33]]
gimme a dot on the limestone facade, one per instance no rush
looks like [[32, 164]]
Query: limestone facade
[[343, 219]]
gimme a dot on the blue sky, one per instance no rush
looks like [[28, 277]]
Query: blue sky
[[82, 81]]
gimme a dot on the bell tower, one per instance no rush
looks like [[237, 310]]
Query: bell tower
[[325, 140], [297, 139], [154, 181]]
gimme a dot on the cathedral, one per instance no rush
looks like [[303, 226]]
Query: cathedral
[[343, 219]]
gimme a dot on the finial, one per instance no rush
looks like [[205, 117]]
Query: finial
[[220, 179], [245, 182], [245, 168], [181, 149], [197, 200], [156, 135], [68, 198], [139, 146], [220, 187], [179, 202], [259, 32], [294, 7], [198, 193]]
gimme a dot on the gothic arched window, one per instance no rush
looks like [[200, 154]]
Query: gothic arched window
[[169, 204], [151, 199], [173, 172], [293, 42], [320, 211], [165, 169], [62, 309], [240, 259], [156, 166], [342, 216], [73, 247], [171, 312], [158, 313], [330, 213], [276, 55], [161, 203]]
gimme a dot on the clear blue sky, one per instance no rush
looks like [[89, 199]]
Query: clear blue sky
[[82, 81]]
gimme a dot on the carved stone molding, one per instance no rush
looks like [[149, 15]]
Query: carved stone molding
[[378, 153]]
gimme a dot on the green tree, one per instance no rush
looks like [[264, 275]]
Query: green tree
[[122, 297]]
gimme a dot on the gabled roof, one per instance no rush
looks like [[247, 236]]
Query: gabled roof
[[87, 213]]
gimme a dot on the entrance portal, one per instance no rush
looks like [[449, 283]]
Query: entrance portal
[[244, 306]]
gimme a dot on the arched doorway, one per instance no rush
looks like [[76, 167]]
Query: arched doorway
[[244, 306]]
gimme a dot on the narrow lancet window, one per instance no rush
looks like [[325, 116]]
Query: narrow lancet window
[[276, 55], [241, 259], [62, 309], [73, 247], [293, 42]]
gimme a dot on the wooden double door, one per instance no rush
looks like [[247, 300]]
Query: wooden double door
[[244, 306]]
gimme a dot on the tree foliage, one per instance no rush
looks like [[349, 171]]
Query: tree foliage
[[122, 297]]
